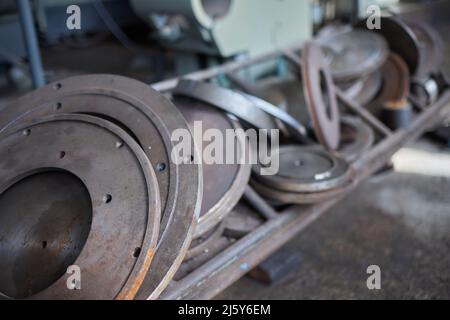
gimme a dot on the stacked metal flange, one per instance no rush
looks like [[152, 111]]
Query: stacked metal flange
[[307, 174], [122, 212]]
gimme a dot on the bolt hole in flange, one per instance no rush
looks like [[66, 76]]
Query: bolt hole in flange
[[45, 220]]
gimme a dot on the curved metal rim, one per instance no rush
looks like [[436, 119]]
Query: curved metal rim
[[229, 200], [149, 242], [227, 100], [180, 222], [326, 129]]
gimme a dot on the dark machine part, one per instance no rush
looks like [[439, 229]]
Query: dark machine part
[[320, 97], [150, 119], [418, 44], [278, 267], [223, 184], [397, 116], [40, 241], [354, 54]]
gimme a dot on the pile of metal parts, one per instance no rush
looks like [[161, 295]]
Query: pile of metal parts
[[88, 178]]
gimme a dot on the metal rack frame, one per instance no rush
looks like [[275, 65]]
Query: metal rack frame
[[240, 257]]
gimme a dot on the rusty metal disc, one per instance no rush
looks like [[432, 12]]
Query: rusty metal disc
[[354, 54], [113, 244], [150, 118], [356, 138], [320, 97], [305, 169], [223, 183]]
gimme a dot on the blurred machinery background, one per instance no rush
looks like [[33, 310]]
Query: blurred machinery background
[[199, 33]]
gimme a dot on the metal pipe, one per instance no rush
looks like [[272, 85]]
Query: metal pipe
[[31, 42]]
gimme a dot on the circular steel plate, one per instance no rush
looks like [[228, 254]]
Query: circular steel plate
[[354, 54], [126, 210], [218, 198], [320, 96], [305, 169], [150, 118]]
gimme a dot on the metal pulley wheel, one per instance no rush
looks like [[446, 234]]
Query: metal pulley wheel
[[354, 54], [224, 182], [277, 197], [112, 239], [150, 119], [356, 138], [321, 100], [304, 169]]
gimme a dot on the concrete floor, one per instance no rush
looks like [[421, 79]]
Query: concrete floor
[[400, 222]]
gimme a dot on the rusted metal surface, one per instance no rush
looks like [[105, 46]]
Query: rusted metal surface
[[129, 201]]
